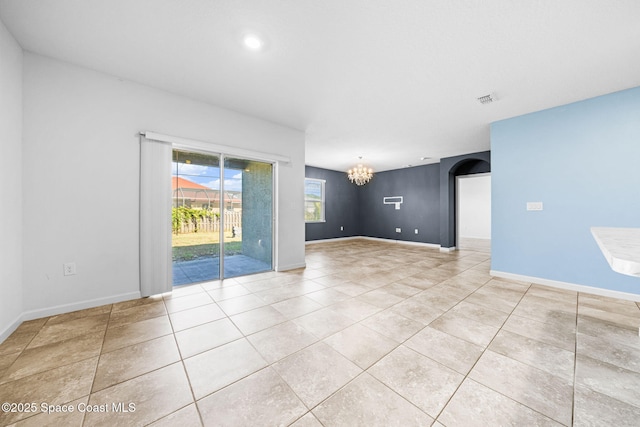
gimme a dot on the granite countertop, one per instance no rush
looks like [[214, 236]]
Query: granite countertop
[[621, 248]]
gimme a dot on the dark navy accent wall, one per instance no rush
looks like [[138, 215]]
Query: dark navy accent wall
[[341, 195], [420, 188], [451, 167], [429, 202]]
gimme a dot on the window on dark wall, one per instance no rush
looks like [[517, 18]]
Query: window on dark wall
[[314, 200]]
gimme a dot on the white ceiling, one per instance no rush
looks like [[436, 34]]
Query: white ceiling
[[392, 81]]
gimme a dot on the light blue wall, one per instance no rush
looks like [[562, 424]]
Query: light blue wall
[[582, 161]]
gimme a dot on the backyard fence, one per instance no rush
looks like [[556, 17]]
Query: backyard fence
[[209, 224]]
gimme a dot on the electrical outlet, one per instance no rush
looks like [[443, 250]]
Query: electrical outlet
[[69, 268], [398, 230], [416, 231], [342, 228]]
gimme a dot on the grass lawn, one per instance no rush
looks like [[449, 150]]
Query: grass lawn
[[190, 246]]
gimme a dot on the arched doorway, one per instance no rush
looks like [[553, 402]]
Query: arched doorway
[[473, 212], [450, 168]]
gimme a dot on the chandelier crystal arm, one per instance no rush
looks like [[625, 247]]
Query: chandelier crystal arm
[[360, 175]]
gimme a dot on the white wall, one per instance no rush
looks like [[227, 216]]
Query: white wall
[[81, 170], [474, 206], [10, 182]]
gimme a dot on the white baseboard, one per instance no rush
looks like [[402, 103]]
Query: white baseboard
[[334, 239], [378, 239], [403, 242], [64, 308], [67, 308], [4, 334], [406, 242], [474, 244], [290, 267], [567, 286]]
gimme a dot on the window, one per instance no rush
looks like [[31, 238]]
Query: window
[[314, 200]]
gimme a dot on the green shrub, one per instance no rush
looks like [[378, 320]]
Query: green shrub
[[184, 215]]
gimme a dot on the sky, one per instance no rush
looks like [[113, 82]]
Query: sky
[[209, 176], [312, 188]]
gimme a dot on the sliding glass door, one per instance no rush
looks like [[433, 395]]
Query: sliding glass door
[[195, 185], [222, 217], [248, 189]]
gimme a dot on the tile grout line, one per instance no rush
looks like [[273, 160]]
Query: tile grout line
[[609, 396], [482, 353], [547, 416], [95, 371], [184, 370], [20, 354], [385, 355], [392, 279], [245, 337], [575, 361], [319, 340]]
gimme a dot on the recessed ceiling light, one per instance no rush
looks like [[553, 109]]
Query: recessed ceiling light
[[425, 158], [253, 42]]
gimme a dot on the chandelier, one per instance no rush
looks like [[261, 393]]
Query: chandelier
[[360, 175]]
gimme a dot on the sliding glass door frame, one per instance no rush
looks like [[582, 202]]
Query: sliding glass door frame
[[222, 157], [222, 220]]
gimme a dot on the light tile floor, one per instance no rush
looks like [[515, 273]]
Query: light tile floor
[[370, 334]]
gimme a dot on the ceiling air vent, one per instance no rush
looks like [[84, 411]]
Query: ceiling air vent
[[487, 99]]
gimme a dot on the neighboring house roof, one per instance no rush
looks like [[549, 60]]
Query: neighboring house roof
[[185, 189], [179, 182]]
